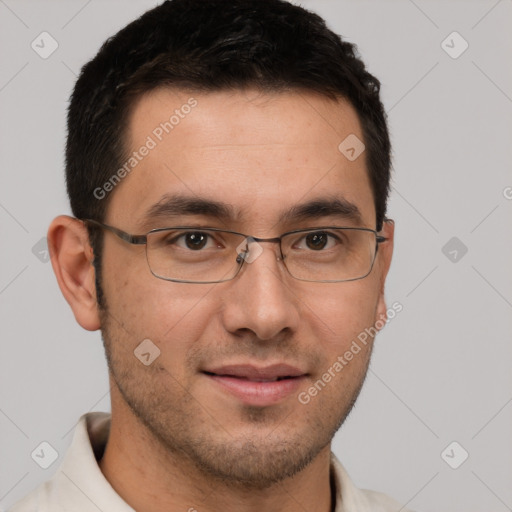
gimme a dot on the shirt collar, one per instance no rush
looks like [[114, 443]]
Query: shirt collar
[[80, 486]]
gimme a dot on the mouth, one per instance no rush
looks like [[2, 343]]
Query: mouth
[[273, 379], [257, 386]]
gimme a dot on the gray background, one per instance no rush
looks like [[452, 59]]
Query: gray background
[[441, 368]]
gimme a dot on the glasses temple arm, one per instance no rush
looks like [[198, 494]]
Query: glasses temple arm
[[123, 235]]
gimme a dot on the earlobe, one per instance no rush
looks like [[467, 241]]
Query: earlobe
[[385, 256], [71, 256]]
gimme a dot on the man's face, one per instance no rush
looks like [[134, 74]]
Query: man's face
[[261, 155]]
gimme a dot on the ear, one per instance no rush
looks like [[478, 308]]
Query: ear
[[384, 255], [72, 257]]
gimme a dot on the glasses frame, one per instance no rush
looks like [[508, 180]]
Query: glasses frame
[[143, 240]]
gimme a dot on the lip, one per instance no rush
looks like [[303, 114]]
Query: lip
[[258, 386]]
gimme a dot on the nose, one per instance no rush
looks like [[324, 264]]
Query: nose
[[262, 297]]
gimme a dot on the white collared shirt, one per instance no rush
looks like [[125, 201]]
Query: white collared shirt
[[79, 485]]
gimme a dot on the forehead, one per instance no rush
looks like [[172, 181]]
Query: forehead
[[258, 153]]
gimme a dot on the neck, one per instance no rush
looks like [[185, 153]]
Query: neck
[[150, 479]]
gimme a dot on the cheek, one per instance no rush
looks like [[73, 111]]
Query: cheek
[[172, 315], [343, 320], [341, 313]]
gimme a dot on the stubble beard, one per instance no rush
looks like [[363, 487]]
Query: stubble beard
[[185, 435]]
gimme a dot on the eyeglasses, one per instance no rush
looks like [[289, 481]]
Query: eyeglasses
[[209, 255]]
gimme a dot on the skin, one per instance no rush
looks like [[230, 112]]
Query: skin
[[178, 442]]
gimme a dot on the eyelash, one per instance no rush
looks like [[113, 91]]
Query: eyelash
[[301, 237]]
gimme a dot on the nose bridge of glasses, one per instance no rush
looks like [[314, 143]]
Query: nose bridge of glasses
[[250, 249]]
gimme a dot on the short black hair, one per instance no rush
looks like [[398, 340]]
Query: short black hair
[[212, 45]]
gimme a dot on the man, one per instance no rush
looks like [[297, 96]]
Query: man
[[228, 167]]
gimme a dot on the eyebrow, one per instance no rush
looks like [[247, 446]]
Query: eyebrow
[[327, 207], [181, 205]]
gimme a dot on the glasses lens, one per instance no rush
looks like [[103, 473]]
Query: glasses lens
[[208, 256], [336, 254], [201, 256]]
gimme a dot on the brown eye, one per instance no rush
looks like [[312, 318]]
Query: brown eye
[[317, 240], [195, 240]]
